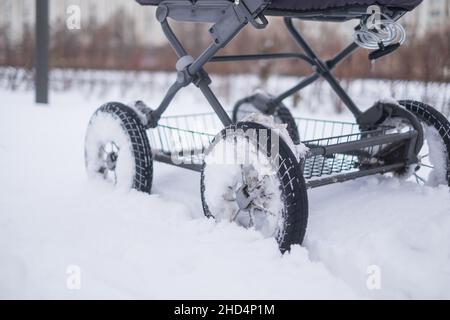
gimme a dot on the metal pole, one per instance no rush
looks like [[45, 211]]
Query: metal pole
[[41, 51]]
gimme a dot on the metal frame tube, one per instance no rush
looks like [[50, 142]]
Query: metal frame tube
[[302, 84], [173, 90], [204, 58], [215, 103], [322, 68], [173, 40], [310, 184], [193, 73], [266, 56], [161, 157], [342, 55], [41, 51], [359, 144], [331, 64]]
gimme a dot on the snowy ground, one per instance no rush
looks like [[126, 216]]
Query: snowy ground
[[132, 245]]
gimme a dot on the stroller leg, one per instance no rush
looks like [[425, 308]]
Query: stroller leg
[[214, 102], [190, 70], [323, 69], [302, 84]]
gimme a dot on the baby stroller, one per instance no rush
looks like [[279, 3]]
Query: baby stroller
[[257, 169]]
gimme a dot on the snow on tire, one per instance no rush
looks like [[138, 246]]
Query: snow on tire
[[434, 159], [248, 180], [117, 148]]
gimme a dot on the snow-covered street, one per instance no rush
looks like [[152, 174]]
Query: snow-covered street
[[133, 245]]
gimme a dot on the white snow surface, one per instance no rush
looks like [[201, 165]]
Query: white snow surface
[[133, 245]]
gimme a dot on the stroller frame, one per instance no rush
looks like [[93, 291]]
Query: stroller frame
[[387, 137], [228, 19]]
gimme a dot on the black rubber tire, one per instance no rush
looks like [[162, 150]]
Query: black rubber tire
[[137, 136], [431, 117], [292, 184], [281, 113]]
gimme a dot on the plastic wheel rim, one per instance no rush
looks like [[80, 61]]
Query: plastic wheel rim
[[243, 193], [108, 155]]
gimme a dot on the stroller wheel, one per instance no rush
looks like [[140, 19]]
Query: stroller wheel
[[117, 148], [433, 167], [251, 177], [260, 103]]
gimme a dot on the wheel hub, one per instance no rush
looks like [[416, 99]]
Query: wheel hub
[[250, 197], [111, 161], [243, 198], [109, 153]]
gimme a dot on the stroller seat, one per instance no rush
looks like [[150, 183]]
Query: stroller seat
[[303, 6]]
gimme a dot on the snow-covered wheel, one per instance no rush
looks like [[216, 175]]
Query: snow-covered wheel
[[433, 167], [117, 148], [259, 103], [251, 176]]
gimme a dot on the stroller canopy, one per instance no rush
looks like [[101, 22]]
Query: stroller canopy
[[316, 5]]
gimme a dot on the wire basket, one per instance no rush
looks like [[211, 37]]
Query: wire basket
[[188, 136]]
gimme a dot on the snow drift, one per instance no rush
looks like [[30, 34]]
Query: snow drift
[[133, 245]]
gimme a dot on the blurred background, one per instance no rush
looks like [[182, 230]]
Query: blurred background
[[118, 42]]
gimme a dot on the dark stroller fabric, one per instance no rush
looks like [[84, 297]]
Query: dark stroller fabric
[[314, 5]]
